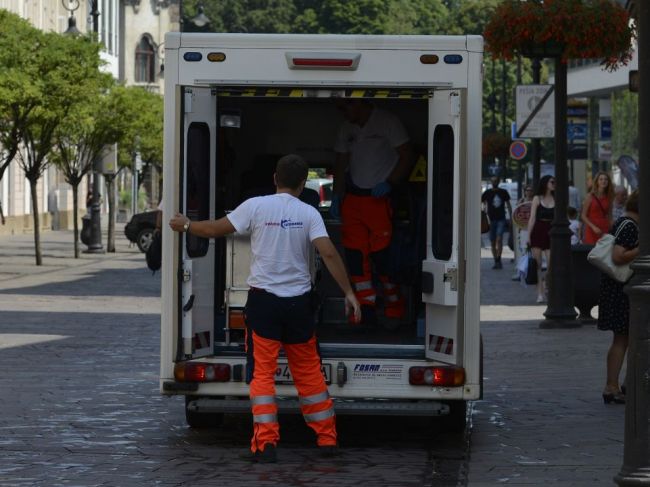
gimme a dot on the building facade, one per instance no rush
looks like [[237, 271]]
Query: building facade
[[54, 194]]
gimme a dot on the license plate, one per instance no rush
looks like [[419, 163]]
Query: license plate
[[283, 374]]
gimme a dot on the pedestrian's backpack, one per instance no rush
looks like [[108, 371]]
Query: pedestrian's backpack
[[154, 252]]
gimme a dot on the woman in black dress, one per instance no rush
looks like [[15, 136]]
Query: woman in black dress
[[613, 303], [539, 224]]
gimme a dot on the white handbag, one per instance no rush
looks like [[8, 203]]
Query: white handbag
[[601, 257]]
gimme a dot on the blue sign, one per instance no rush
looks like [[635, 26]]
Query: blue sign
[[576, 131], [605, 129]]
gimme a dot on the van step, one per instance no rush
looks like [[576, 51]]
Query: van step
[[342, 407]]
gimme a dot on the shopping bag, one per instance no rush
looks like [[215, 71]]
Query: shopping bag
[[601, 257], [531, 270], [485, 223], [522, 268]]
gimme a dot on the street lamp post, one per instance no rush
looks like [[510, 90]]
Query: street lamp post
[[95, 236], [636, 457], [200, 21], [95, 242], [71, 6], [560, 312]]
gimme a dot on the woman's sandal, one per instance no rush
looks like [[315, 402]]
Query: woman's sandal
[[611, 397]]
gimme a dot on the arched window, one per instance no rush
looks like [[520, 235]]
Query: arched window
[[145, 61]]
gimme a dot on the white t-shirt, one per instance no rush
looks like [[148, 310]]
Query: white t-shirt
[[282, 228], [372, 147]]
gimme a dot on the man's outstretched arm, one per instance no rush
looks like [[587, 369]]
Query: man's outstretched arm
[[205, 228]]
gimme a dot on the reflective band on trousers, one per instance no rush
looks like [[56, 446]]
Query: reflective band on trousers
[[259, 400], [363, 285], [320, 416], [393, 298], [315, 399], [265, 418], [388, 285]]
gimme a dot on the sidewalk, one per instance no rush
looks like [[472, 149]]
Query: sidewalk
[[542, 420]]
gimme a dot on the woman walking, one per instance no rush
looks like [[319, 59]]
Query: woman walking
[[613, 303], [597, 208], [539, 225]]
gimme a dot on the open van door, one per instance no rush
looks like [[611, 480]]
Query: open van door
[[441, 274], [197, 255]]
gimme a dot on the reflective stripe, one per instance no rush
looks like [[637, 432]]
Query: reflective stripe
[[259, 400], [389, 286], [315, 399], [367, 298], [320, 416], [265, 418], [393, 298], [363, 285]]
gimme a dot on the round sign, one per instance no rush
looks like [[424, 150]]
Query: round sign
[[518, 150], [521, 214]]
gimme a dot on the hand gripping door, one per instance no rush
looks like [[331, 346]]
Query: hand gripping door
[[197, 203], [440, 270]]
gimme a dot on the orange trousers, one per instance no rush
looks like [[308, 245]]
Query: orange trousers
[[366, 232], [315, 403]]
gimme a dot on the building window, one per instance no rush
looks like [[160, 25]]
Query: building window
[[145, 61]]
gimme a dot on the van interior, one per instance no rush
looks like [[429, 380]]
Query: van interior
[[253, 132]]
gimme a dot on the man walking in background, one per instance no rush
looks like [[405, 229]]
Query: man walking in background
[[496, 200]]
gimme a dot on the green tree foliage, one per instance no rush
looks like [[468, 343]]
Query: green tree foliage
[[18, 91], [625, 123], [66, 70], [81, 137]]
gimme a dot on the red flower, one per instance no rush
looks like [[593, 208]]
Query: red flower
[[568, 28]]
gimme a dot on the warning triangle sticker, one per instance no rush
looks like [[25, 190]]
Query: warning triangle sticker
[[419, 173]]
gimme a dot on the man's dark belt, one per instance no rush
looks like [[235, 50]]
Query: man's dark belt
[[357, 191]]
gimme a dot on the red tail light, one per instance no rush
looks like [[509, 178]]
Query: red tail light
[[448, 376], [323, 63], [201, 372]]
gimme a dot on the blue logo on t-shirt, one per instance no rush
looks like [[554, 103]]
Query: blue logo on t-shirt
[[289, 224]]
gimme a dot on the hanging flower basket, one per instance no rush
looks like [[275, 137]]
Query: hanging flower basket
[[569, 29], [496, 144]]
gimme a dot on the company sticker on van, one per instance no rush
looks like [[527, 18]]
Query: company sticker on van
[[372, 371]]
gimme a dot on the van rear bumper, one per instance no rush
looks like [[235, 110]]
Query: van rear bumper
[[342, 407]]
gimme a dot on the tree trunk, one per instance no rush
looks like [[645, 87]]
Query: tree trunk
[[75, 215], [110, 193], [37, 223]]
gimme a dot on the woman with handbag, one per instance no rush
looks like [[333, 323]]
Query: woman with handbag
[[613, 303], [597, 208], [539, 225]]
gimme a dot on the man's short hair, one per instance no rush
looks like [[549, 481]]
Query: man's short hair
[[291, 171]]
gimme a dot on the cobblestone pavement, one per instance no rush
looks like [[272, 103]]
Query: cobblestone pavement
[[80, 404], [542, 420]]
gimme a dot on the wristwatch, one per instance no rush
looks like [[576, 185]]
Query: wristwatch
[[186, 225]]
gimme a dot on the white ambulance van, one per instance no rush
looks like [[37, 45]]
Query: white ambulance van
[[235, 103]]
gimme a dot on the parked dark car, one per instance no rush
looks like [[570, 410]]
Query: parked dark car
[[140, 229]]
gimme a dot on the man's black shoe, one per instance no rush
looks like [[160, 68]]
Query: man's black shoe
[[268, 455], [329, 451]]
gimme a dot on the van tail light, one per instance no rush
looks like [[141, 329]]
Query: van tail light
[[201, 372], [446, 376], [321, 193], [323, 60]]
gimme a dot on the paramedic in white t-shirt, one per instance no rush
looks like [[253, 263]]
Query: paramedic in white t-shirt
[[373, 154], [278, 310]]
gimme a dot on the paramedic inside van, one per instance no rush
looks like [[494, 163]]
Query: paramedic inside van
[[373, 155], [278, 309]]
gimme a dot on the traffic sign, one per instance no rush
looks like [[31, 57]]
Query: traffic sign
[[518, 150], [535, 111]]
